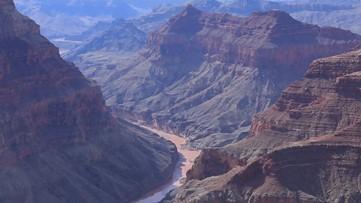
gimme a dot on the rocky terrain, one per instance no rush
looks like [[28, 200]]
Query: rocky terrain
[[204, 75], [121, 37], [153, 20], [341, 14], [63, 21], [305, 148], [59, 143]]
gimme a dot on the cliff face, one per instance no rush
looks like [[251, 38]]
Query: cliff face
[[59, 143], [305, 148], [324, 102], [204, 75]]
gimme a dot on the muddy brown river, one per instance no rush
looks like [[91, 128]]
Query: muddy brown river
[[185, 163]]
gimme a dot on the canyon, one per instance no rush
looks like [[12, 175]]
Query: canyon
[[215, 104], [59, 142], [304, 148], [66, 22], [185, 163], [204, 75]]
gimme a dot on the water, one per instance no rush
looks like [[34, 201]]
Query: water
[[185, 163]]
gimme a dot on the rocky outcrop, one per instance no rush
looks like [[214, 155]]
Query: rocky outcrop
[[326, 85], [305, 148], [323, 13], [204, 75], [212, 163], [59, 143], [308, 174]]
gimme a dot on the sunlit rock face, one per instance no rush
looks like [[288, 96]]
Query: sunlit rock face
[[305, 148], [59, 143], [204, 75]]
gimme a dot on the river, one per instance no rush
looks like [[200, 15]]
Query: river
[[185, 163]]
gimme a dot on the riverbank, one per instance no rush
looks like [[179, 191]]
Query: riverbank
[[185, 163]]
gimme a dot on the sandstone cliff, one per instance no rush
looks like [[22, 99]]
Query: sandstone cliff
[[59, 143], [305, 148], [204, 75]]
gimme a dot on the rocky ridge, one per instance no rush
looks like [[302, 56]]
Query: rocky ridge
[[322, 13], [305, 148], [55, 16], [204, 75], [59, 142]]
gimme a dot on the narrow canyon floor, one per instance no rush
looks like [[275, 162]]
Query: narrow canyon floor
[[186, 159]]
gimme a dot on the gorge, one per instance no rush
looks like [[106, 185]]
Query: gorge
[[185, 163], [204, 75], [305, 148], [59, 142], [206, 107]]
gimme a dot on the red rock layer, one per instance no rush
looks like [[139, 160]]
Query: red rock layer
[[41, 94], [58, 141], [235, 66], [259, 40], [305, 148]]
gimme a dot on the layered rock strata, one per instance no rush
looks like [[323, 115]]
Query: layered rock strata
[[59, 143], [305, 148], [204, 75]]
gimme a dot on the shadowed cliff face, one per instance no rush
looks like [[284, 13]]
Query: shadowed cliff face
[[58, 142], [305, 148], [204, 75]]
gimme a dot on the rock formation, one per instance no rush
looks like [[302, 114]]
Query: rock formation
[[121, 37], [59, 143], [204, 75], [305, 148]]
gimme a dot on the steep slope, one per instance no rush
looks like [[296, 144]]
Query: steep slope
[[63, 20], [59, 143], [70, 30], [204, 75], [158, 16], [305, 148], [112, 40]]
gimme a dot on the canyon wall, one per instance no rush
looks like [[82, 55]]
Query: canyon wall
[[59, 142], [305, 148], [204, 75]]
